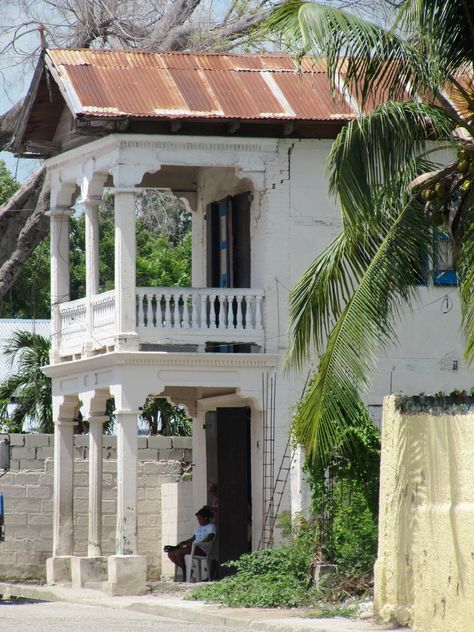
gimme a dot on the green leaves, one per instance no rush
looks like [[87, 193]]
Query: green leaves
[[29, 387]]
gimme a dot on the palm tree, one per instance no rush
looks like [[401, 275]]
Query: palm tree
[[393, 194], [28, 389]]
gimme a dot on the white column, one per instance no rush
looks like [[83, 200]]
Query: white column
[[125, 255], [91, 210], [59, 249], [63, 519], [127, 445], [96, 430]]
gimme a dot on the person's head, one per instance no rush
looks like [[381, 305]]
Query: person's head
[[204, 515]]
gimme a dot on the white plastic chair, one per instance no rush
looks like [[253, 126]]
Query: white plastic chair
[[195, 563]]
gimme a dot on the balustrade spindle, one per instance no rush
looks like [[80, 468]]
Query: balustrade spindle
[[228, 313], [212, 311], [239, 323], [185, 298], [258, 312], [194, 315], [204, 321], [141, 310], [221, 320], [248, 322], [167, 319]]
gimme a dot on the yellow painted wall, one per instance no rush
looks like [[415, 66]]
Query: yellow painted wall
[[424, 575]]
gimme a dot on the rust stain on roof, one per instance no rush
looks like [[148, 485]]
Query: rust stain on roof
[[116, 83]]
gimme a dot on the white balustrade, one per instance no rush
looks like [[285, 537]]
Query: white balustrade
[[72, 322], [202, 309], [204, 313]]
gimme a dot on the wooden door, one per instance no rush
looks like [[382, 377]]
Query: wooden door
[[228, 466]]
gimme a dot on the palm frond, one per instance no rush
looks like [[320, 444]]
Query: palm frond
[[374, 150], [320, 295], [388, 285]]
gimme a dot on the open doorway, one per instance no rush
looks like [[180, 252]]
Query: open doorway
[[228, 472]]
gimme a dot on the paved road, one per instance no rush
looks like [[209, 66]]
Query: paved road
[[66, 617]]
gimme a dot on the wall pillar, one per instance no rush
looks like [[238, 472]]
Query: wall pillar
[[125, 256]]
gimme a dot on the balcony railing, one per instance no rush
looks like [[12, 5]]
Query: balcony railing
[[166, 316]]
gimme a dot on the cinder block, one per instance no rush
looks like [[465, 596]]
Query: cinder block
[[81, 492], [184, 443], [110, 442], [23, 453], [109, 522], [107, 480], [45, 480], [80, 454], [154, 520], [171, 455], [153, 493], [16, 491], [151, 468], [109, 506], [27, 505], [148, 454], [14, 465], [44, 453], [81, 441], [47, 506], [41, 520], [109, 493], [27, 478], [110, 467], [159, 442], [14, 519], [38, 492], [31, 464], [81, 479], [36, 440], [17, 440], [81, 505]]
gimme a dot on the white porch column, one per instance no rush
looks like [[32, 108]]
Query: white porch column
[[125, 254], [58, 567], [91, 210], [127, 454], [59, 249], [96, 430], [63, 519]]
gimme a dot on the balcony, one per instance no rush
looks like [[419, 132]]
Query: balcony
[[165, 318]]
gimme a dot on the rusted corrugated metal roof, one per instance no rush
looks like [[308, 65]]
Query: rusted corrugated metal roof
[[116, 83]]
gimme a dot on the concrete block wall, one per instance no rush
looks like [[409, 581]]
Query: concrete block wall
[[28, 491], [177, 522]]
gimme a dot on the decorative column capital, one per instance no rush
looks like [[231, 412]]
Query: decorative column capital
[[98, 419], [60, 212], [90, 200]]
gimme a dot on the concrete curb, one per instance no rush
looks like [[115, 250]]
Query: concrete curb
[[193, 611]]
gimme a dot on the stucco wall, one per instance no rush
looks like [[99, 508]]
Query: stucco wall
[[425, 566], [28, 492]]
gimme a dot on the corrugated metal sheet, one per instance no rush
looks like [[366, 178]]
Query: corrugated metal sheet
[[114, 83]]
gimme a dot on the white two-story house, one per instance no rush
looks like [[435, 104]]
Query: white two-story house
[[242, 139]]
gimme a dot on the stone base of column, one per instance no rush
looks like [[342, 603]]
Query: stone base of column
[[126, 575], [58, 569], [88, 572]]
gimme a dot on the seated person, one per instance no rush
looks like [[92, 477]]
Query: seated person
[[205, 532]]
